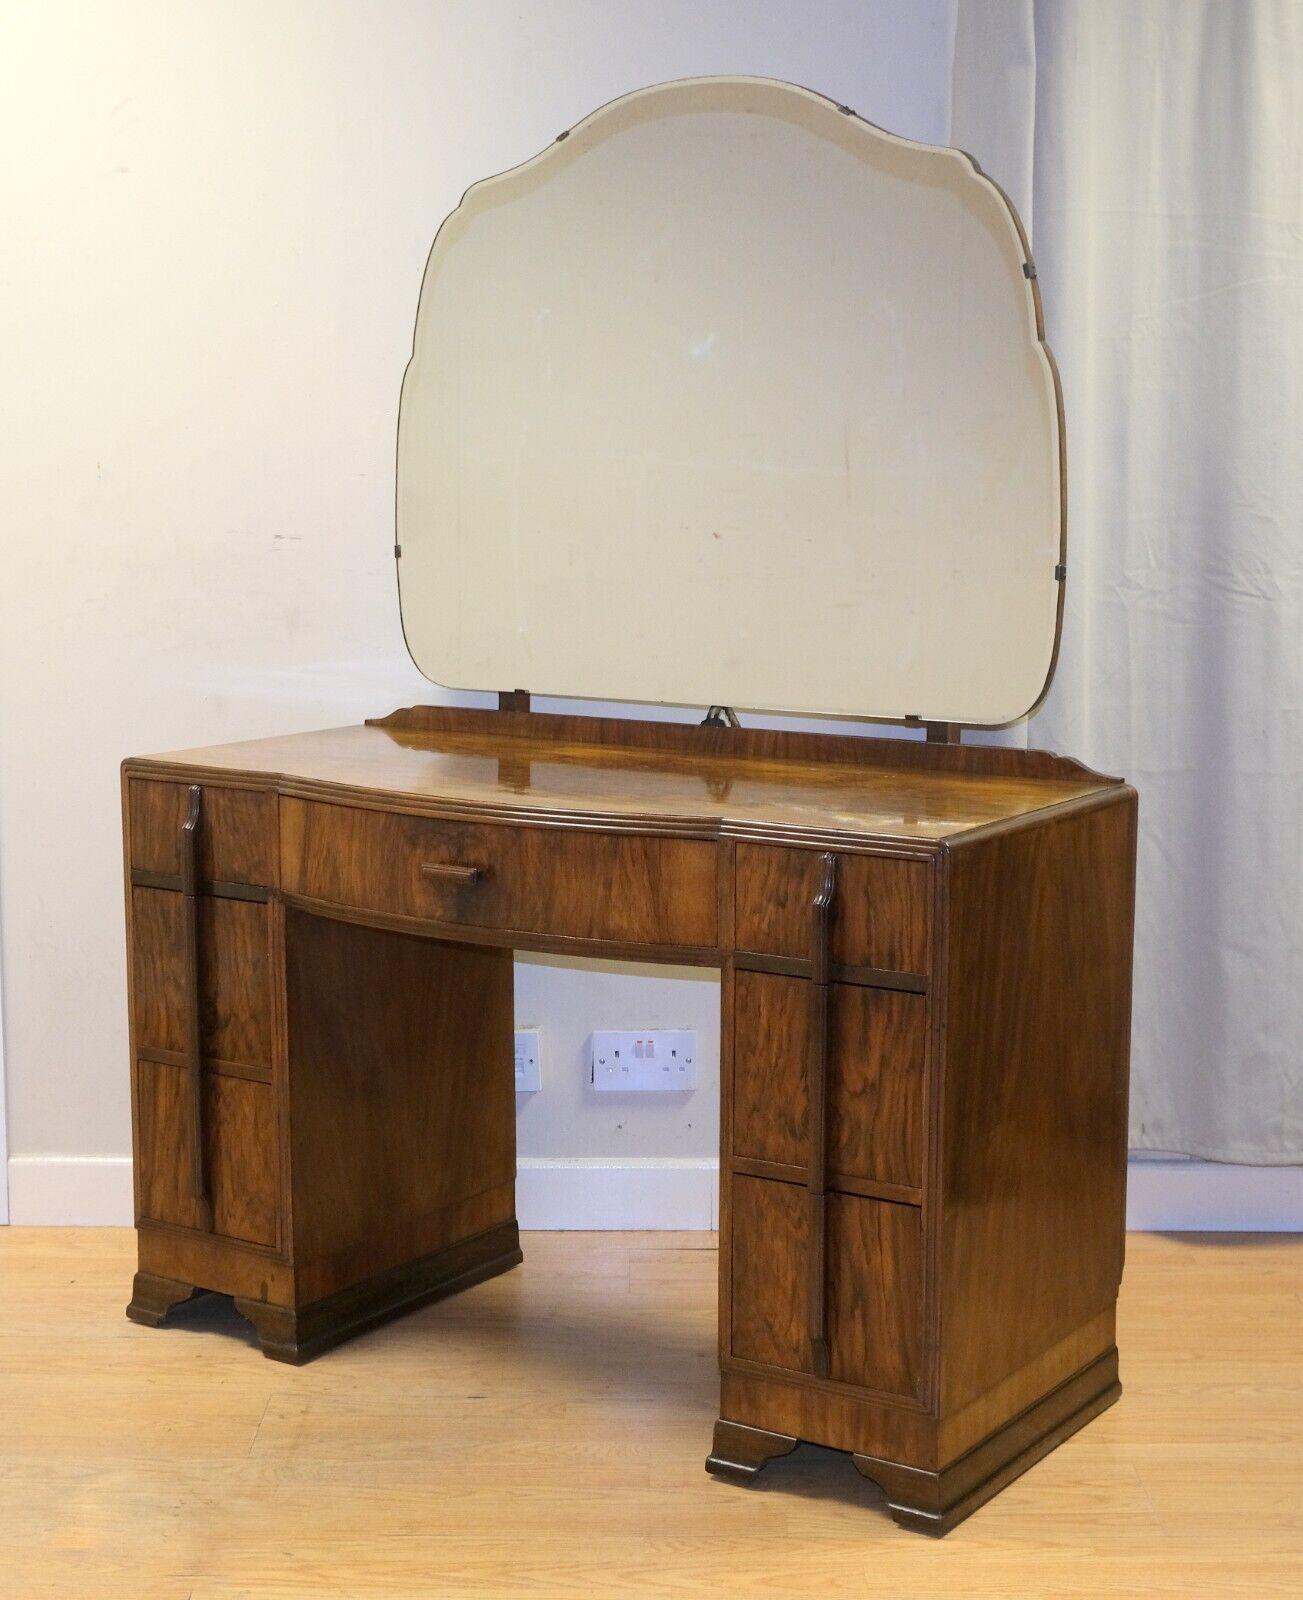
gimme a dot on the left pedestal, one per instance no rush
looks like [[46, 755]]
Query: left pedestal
[[323, 1114]]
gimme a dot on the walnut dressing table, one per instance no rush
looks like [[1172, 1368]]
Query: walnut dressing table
[[924, 946]]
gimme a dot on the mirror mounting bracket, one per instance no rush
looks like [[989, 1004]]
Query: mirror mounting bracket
[[721, 717], [937, 732]]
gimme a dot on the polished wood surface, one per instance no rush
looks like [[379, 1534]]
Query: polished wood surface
[[235, 993], [934, 1502], [1036, 1071], [874, 1279], [881, 915], [543, 1435], [240, 1133], [666, 776], [923, 1069], [581, 884], [401, 1098], [237, 842], [876, 1086]]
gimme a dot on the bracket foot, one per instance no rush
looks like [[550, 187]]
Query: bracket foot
[[741, 1453]]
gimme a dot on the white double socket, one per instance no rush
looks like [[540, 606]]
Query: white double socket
[[646, 1061]]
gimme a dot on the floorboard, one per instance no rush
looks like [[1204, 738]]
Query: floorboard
[[543, 1435]]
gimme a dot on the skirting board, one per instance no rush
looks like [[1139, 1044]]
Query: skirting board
[[1163, 1196]]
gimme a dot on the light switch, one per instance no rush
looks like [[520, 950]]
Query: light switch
[[528, 1053]]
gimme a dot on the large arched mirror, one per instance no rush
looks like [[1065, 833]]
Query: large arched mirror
[[731, 397]]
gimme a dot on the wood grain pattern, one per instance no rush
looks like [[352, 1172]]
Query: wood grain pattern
[[152, 1466], [1037, 1047], [816, 1161], [958, 1431], [299, 1333], [876, 1083], [875, 1294], [234, 976], [881, 917], [356, 1032], [874, 1279], [228, 1266], [836, 1415], [153, 1298], [736, 744], [740, 1452], [471, 766], [936, 1502], [236, 842], [585, 885], [239, 1129], [191, 984], [770, 1250], [401, 1097]]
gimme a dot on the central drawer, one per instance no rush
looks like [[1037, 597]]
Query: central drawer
[[622, 887]]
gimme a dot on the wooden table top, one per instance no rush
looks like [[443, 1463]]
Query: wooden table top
[[707, 780]]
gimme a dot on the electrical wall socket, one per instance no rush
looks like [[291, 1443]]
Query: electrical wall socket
[[648, 1060], [528, 1060]]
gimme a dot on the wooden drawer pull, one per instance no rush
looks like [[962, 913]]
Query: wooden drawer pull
[[449, 872]]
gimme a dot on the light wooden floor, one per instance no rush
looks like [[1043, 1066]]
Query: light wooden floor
[[543, 1436]]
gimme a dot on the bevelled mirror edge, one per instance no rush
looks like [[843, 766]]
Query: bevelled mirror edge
[[570, 145]]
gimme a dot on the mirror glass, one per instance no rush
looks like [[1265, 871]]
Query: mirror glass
[[729, 397]]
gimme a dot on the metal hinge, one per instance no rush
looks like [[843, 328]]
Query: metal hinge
[[1060, 573], [1029, 269], [398, 550]]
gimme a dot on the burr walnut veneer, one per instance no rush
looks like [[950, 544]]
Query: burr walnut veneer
[[925, 954]]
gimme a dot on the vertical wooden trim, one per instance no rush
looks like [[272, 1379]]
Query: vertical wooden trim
[[725, 869], [280, 1073], [934, 1069], [817, 1288], [128, 907], [1133, 843], [189, 851]]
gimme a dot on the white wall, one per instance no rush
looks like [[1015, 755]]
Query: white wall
[[216, 226]]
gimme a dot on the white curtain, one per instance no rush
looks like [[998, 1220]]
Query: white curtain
[[1154, 147]]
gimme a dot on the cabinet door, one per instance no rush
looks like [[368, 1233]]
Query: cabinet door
[[239, 1146], [234, 977], [874, 1285], [877, 1042]]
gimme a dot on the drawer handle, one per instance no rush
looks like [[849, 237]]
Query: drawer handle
[[450, 872]]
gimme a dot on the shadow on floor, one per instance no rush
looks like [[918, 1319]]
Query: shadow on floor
[[596, 1347]]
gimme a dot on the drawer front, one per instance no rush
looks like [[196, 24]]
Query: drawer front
[[877, 1048], [234, 977], [874, 1285], [621, 887], [881, 911], [240, 1150], [237, 832]]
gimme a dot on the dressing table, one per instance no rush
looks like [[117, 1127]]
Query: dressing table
[[726, 397]]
